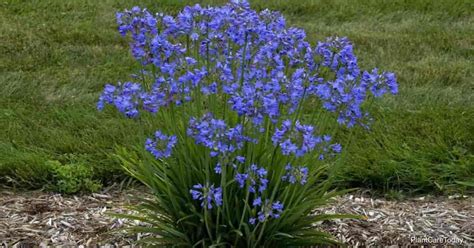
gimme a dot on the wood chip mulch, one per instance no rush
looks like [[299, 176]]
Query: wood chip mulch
[[32, 219]]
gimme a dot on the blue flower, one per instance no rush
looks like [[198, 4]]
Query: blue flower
[[338, 55], [241, 178], [125, 97], [208, 90], [295, 139], [260, 87], [240, 159], [337, 148], [255, 176], [299, 140], [215, 135], [252, 221], [257, 201], [218, 168], [295, 174], [207, 195], [277, 209], [379, 84], [161, 146], [107, 96], [267, 211]]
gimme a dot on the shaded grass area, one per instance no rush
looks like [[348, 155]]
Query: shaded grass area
[[55, 57]]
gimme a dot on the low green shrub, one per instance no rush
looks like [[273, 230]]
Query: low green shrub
[[73, 178]]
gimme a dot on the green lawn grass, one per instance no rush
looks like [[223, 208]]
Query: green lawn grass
[[55, 57]]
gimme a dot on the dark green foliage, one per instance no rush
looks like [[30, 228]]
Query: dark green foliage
[[174, 219]]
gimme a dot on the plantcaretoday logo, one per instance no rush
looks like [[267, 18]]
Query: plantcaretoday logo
[[436, 240]]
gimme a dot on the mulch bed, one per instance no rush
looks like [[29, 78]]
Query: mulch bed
[[32, 219]]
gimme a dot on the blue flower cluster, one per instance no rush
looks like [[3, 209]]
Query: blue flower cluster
[[299, 140], [207, 195], [215, 135], [337, 54], [267, 210], [380, 84], [295, 174], [257, 178], [125, 97], [161, 146], [250, 56], [348, 90], [139, 23]]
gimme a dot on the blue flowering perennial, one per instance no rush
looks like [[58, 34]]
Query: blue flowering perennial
[[235, 86]]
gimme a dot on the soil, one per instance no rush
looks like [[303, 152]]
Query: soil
[[35, 218]]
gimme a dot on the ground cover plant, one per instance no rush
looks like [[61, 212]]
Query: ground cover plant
[[55, 57], [247, 112]]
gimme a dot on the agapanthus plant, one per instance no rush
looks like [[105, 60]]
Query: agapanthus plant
[[243, 104]]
